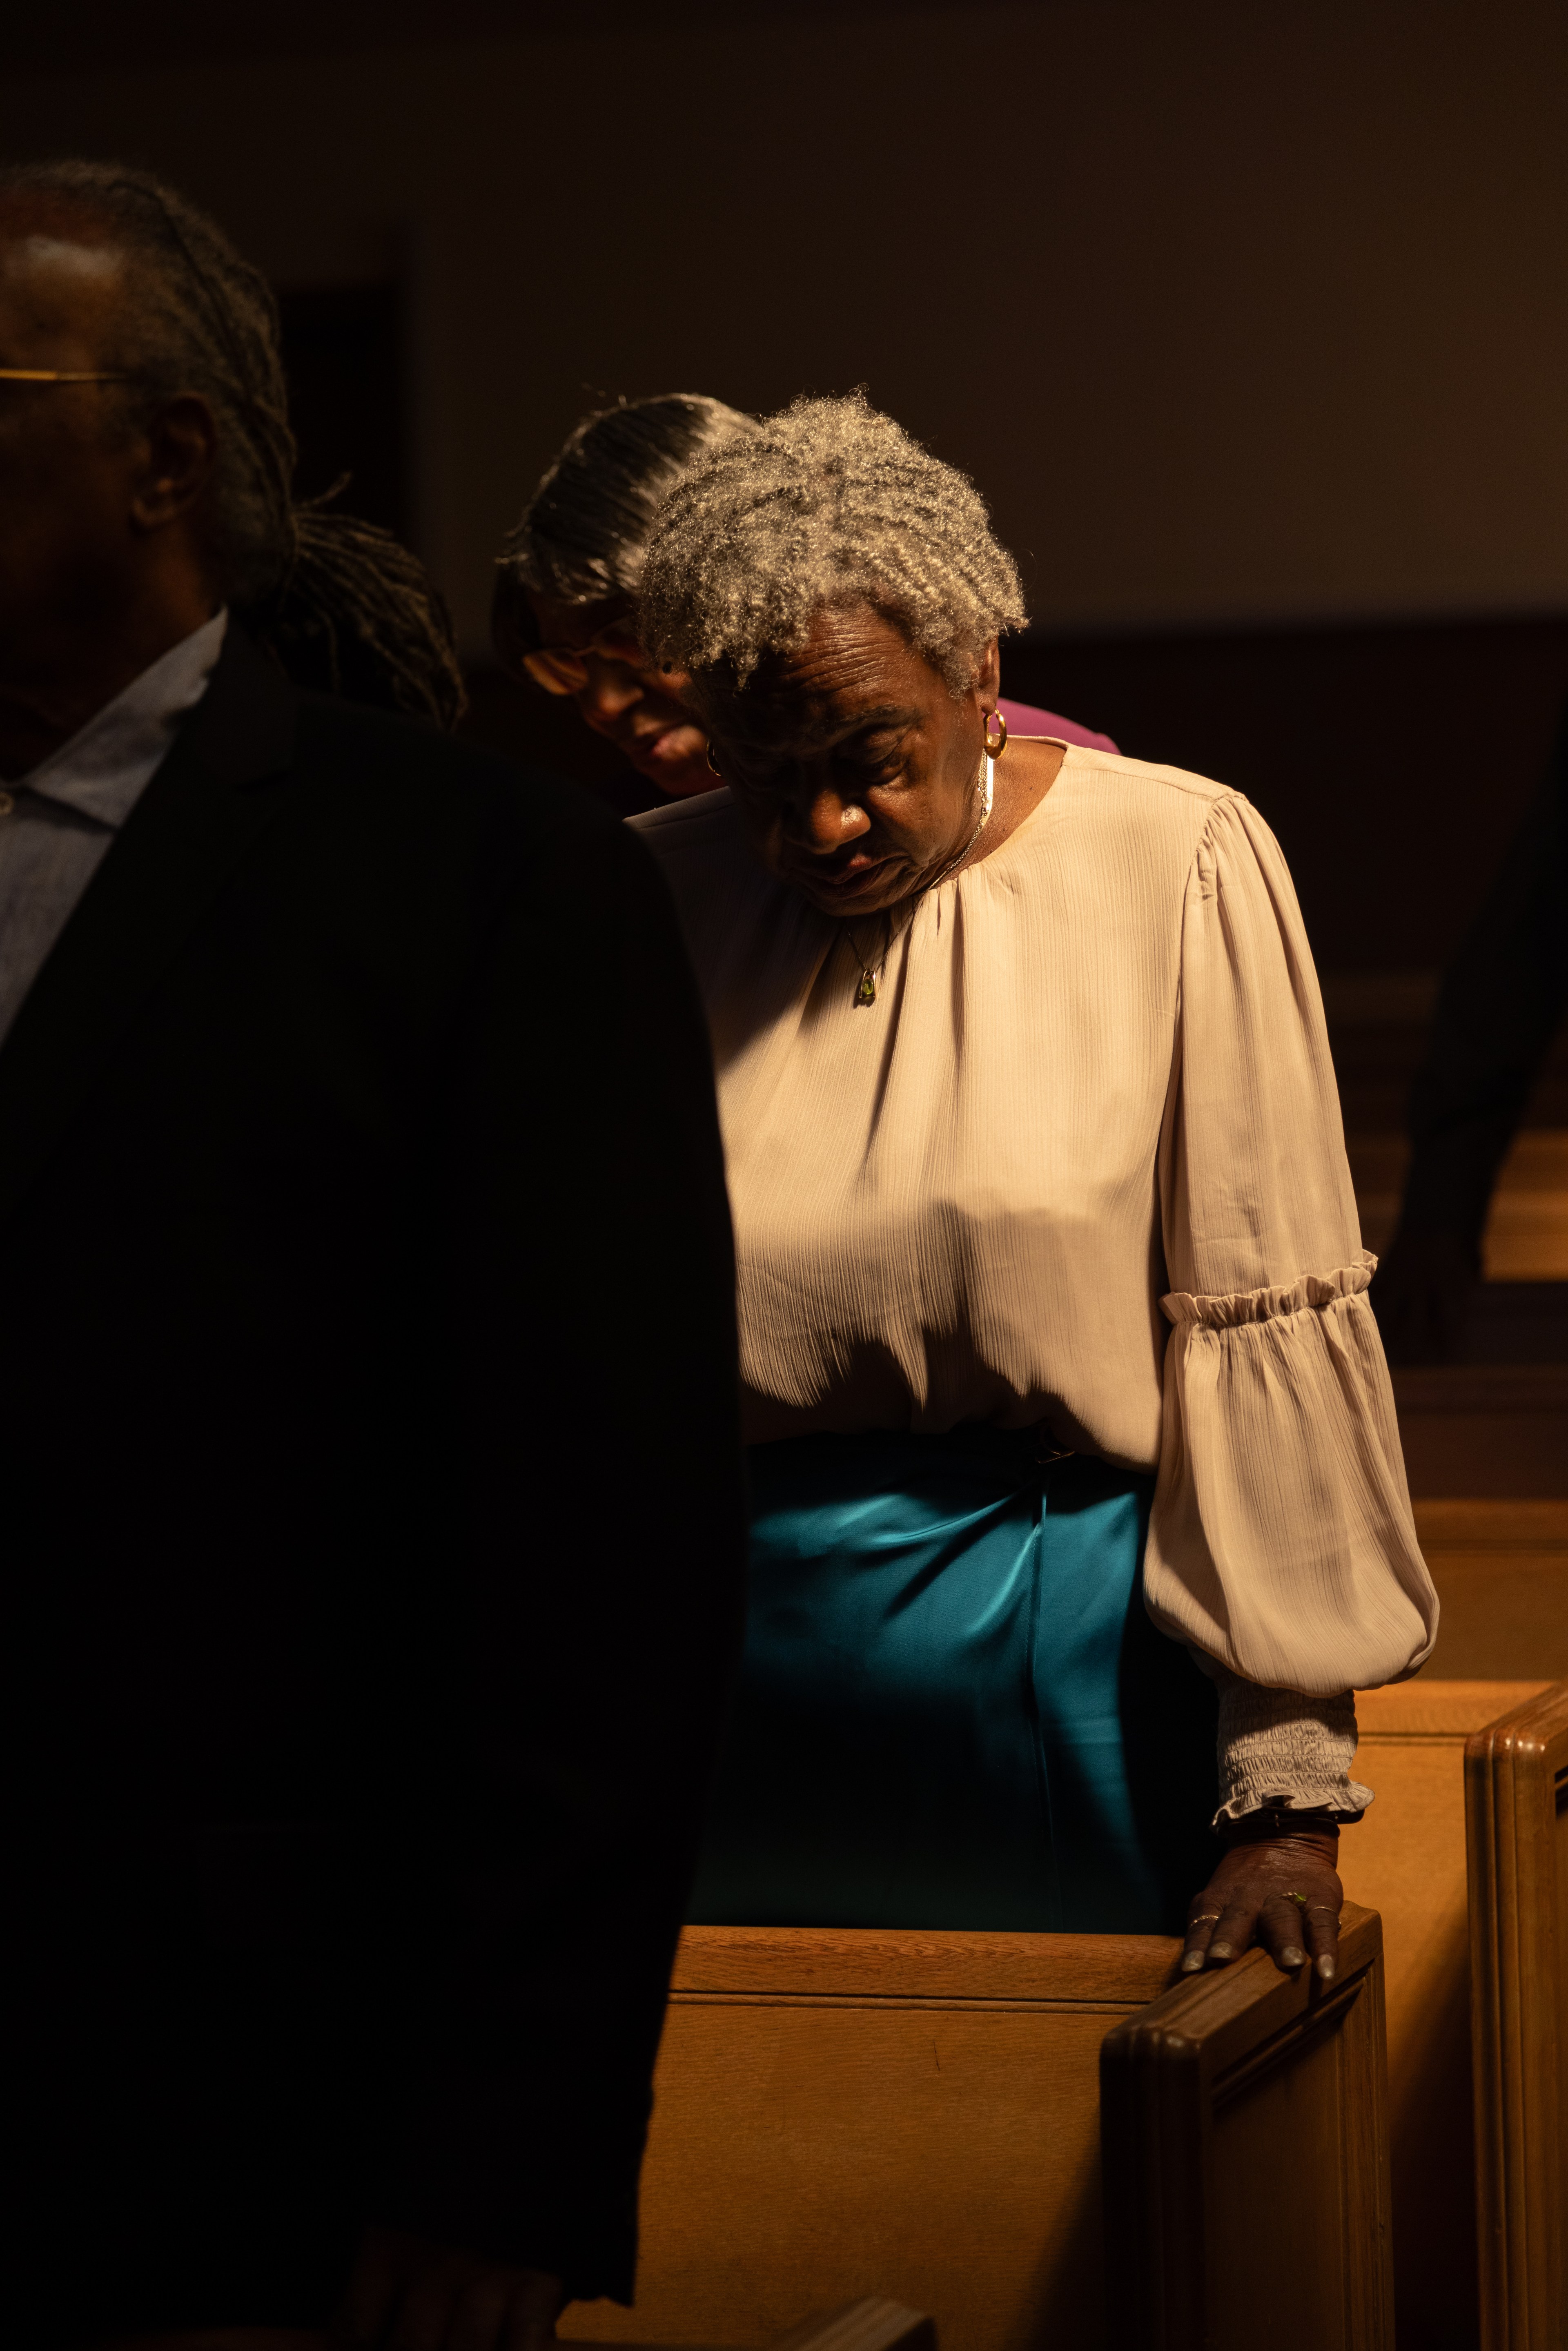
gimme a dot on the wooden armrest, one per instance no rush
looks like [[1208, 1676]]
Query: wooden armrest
[[1244, 2150]]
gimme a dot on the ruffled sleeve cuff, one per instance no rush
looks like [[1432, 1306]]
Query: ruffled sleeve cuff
[[1281, 1749], [1225, 1314]]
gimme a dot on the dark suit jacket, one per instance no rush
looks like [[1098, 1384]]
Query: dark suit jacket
[[372, 1518]]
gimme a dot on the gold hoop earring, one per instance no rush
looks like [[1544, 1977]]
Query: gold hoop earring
[[993, 750], [713, 763]]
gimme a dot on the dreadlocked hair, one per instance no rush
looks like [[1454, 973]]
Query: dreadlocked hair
[[341, 606], [826, 503]]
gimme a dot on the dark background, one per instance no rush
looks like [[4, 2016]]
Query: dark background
[[1251, 322], [1252, 325], [343, 350]]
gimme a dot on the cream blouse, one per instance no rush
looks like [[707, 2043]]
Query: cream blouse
[[1079, 1163]]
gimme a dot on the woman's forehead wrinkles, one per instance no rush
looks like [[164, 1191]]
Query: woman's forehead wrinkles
[[814, 724], [842, 662]]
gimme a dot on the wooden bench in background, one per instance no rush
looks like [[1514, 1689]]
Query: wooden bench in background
[[1502, 1572], [922, 2110], [1516, 1790], [1407, 1858], [1526, 1237], [1493, 1430]]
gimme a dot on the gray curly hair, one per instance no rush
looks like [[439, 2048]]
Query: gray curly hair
[[827, 503]]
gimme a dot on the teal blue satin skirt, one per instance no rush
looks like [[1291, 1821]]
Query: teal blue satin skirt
[[954, 1710]]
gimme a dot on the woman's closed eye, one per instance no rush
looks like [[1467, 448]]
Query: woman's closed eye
[[881, 756]]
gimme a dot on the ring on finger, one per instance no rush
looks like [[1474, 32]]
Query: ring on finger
[[1293, 1897], [1204, 1918]]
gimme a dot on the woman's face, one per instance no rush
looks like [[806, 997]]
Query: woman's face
[[853, 765], [626, 698]]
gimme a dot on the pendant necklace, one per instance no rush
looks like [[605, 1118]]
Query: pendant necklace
[[866, 992]]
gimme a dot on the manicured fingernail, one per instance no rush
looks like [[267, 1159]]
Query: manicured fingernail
[[1221, 1951], [1326, 1968], [1191, 1963], [1290, 1958]]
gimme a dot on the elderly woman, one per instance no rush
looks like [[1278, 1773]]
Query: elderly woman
[[567, 576], [1060, 1374]]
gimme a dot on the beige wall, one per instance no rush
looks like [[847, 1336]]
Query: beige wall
[[1234, 311]]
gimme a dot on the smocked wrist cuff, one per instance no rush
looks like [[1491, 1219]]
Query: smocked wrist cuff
[[1279, 1748]]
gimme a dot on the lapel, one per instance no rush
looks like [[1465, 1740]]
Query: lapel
[[191, 825]]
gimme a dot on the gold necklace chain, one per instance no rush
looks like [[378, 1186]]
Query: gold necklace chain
[[866, 992]]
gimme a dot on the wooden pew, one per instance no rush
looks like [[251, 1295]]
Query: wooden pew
[[1244, 2123], [1526, 1237], [1407, 1859], [1502, 1572], [1516, 1793], [922, 2109], [1495, 1430]]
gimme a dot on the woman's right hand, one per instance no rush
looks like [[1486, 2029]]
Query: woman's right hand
[[1282, 1892]]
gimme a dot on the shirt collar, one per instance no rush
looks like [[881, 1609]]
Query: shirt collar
[[108, 764]]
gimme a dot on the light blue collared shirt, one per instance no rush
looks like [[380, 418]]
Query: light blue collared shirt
[[60, 821]]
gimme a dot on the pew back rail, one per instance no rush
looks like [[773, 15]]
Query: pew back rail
[[1516, 1796]]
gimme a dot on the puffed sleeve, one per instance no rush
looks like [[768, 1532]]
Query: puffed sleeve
[[1282, 1543]]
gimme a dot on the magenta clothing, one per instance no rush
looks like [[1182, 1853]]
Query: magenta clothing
[[1024, 719]]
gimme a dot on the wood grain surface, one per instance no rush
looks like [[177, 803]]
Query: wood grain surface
[[1516, 1778], [1489, 1429], [918, 2115], [879, 1963], [1502, 1572], [1407, 1859], [806, 2148]]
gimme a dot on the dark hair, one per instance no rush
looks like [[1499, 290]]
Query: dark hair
[[338, 603], [584, 532]]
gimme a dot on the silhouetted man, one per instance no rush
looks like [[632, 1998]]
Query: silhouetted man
[[368, 1461]]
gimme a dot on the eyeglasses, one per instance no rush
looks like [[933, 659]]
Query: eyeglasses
[[563, 669], [62, 375]]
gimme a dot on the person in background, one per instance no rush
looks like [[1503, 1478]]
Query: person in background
[[567, 580], [368, 1277], [1056, 1357], [1501, 1005]]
